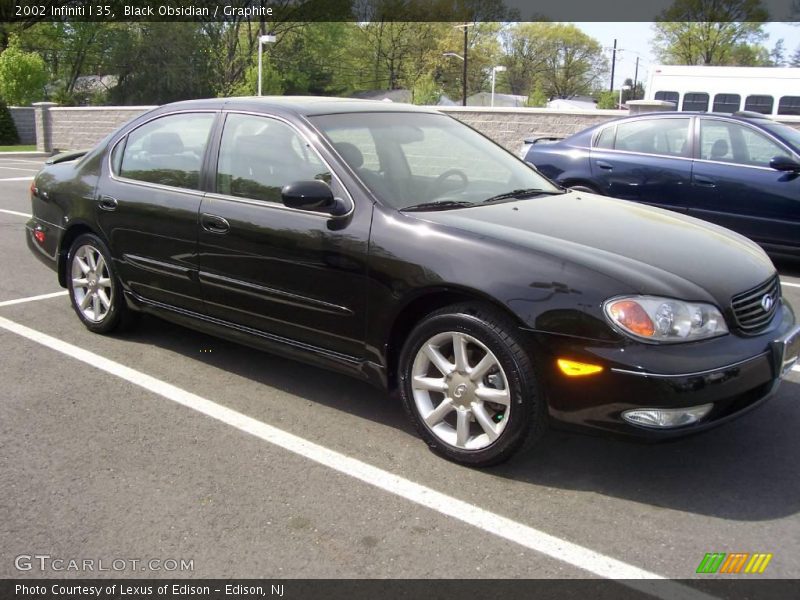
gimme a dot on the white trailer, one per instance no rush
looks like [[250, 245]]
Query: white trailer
[[766, 90]]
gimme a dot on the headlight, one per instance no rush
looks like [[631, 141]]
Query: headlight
[[656, 319]]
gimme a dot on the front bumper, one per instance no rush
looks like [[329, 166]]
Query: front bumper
[[734, 374]]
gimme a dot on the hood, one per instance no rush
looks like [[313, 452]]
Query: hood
[[650, 250]]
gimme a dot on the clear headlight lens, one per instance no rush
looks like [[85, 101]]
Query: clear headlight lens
[[665, 319]]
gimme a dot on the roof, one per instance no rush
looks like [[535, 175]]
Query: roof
[[301, 105]]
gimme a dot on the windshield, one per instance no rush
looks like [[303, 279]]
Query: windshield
[[411, 159], [789, 134]]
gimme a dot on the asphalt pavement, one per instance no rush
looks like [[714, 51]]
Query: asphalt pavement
[[169, 445]]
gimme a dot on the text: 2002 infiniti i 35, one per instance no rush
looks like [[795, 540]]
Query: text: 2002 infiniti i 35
[[398, 245]]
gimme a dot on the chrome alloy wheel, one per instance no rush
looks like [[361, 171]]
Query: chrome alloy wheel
[[91, 283], [460, 390]]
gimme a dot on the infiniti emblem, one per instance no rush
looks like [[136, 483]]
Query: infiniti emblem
[[459, 391], [766, 302]]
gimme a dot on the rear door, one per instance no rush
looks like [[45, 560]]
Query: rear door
[[148, 207], [646, 160], [734, 186]]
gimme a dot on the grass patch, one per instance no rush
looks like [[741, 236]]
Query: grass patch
[[30, 148]]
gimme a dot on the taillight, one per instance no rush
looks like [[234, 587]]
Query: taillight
[[39, 235]]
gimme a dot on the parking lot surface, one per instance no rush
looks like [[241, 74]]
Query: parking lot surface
[[165, 444]]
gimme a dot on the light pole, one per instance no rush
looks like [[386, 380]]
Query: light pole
[[262, 39], [495, 71]]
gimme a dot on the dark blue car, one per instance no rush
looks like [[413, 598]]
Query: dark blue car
[[740, 171]]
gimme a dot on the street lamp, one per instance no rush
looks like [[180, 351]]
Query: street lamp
[[262, 39], [495, 71]]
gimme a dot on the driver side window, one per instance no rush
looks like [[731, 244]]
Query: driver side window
[[260, 155]]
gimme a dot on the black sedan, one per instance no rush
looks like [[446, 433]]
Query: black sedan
[[400, 246], [740, 171]]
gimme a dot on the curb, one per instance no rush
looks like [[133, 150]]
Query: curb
[[32, 154]]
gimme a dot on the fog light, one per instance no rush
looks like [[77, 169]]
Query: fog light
[[665, 418]]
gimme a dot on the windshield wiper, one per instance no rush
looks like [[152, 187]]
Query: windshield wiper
[[521, 194], [439, 205]]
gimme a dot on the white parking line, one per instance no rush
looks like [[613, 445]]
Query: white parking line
[[17, 178], [19, 169], [528, 537], [33, 298], [790, 284], [14, 212]]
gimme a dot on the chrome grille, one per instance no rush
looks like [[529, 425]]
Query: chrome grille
[[748, 306]]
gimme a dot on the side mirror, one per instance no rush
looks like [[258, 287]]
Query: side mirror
[[314, 195], [785, 163]]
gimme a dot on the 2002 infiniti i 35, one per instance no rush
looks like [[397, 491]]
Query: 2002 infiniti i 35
[[398, 245]]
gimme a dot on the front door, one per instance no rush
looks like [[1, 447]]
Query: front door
[[295, 274]]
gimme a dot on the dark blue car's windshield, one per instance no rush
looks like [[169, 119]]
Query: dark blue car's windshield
[[411, 159], [789, 134]]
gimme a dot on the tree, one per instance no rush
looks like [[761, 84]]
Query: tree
[[23, 75], [426, 91], [795, 60], [777, 55], [698, 32], [561, 57], [537, 98], [8, 130]]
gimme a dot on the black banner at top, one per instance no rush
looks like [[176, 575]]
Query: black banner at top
[[399, 10]]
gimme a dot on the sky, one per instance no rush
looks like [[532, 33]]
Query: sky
[[635, 38]]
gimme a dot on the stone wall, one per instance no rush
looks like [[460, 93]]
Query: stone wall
[[26, 125], [62, 128], [510, 126]]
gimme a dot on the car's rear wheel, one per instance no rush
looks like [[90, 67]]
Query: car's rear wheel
[[94, 289], [468, 385]]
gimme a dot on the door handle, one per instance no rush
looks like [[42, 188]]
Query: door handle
[[704, 181], [108, 203], [214, 224], [604, 165]]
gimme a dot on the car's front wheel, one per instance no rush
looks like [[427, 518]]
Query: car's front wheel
[[94, 290], [468, 384]]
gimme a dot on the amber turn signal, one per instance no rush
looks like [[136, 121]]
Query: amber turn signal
[[573, 368]]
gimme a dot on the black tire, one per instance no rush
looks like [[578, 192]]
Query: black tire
[[584, 187], [98, 286], [483, 329]]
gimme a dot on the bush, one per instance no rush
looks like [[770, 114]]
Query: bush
[[22, 75], [607, 99], [8, 131]]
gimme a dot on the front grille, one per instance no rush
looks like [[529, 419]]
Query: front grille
[[748, 307]]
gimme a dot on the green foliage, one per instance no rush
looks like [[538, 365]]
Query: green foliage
[[565, 60], [426, 91], [697, 32], [22, 75], [8, 130], [537, 98], [607, 99], [271, 84]]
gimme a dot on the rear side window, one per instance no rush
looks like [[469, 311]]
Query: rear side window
[[789, 105], [695, 101], [667, 137], [759, 104], [167, 151], [606, 138], [727, 103]]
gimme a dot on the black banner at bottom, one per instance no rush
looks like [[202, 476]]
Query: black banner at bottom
[[395, 589]]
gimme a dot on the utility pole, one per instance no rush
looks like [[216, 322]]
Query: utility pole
[[613, 65], [464, 71], [636, 79]]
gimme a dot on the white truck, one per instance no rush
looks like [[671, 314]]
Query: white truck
[[766, 90]]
